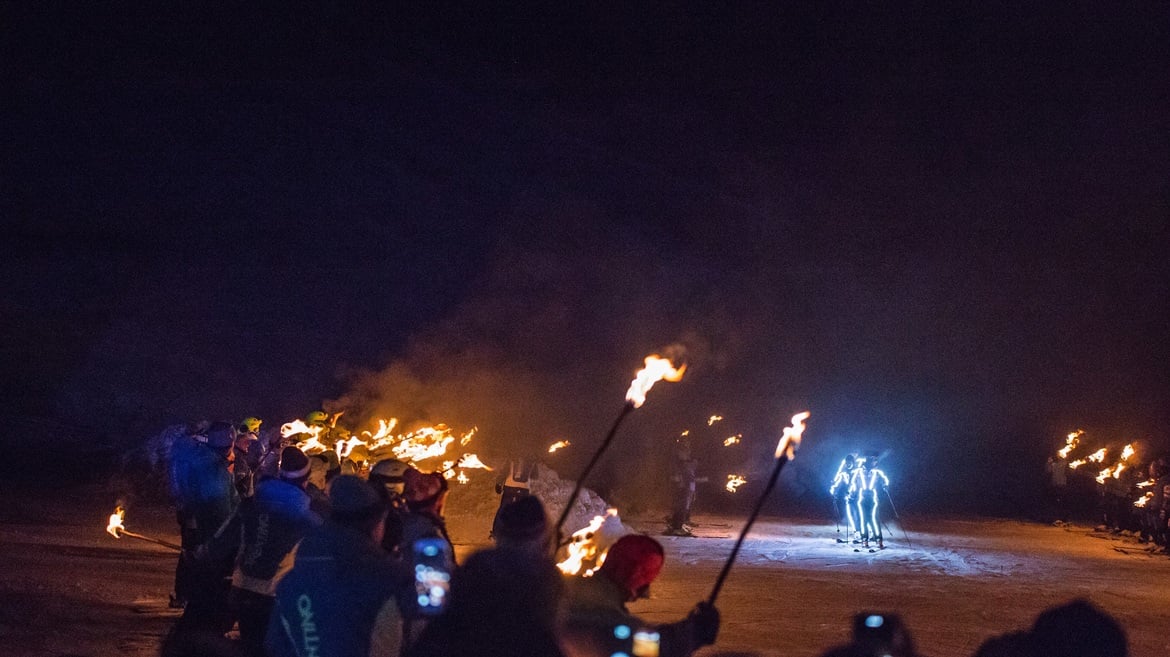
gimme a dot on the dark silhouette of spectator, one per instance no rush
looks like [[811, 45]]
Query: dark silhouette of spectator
[[502, 602], [523, 525]]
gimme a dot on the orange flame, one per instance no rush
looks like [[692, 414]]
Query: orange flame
[[791, 438], [1070, 443], [713, 419], [734, 481], [560, 444], [116, 522], [1143, 500], [732, 440], [472, 461], [1098, 456], [1145, 484], [657, 369], [591, 543], [1076, 464]]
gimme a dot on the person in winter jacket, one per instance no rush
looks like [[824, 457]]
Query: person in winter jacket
[[594, 617], [205, 497], [502, 602], [425, 494], [342, 597], [513, 484], [262, 534]]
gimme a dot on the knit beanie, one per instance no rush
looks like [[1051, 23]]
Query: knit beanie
[[633, 562], [293, 463], [522, 520], [221, 435], [352, 497]]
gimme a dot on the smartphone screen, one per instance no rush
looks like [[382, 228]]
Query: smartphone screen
[[646, 644], [432, 581]]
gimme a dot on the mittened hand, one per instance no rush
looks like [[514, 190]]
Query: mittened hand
[[705, 621]]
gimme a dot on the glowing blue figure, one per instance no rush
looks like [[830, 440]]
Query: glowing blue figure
[[842, 492], [867, 483]]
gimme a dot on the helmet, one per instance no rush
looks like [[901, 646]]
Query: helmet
[[250, 424], [317, 417], [390, 468]]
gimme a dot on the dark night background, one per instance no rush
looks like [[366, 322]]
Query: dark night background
[[941, 228]]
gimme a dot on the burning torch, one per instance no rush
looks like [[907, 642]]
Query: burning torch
[[785, 451], [118, 530], [656, 369]]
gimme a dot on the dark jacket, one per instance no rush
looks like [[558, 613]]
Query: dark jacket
[[265, 529], [201, 485], [423, 524], [594, 606], [339, 600]]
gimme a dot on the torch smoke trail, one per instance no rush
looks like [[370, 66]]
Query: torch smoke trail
[[785, 451]]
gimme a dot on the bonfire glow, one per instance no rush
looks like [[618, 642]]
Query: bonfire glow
[[560, 444], [713, 419], [657, 369], [734, 481], [1143, 500], [790, 440], [1098, 456], [1076, 464], [116, 522], [732, 440], [472, 461]]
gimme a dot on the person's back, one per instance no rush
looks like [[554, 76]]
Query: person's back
[[341, 599], [502, 602]]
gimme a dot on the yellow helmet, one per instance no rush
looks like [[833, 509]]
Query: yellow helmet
[[251, 424]]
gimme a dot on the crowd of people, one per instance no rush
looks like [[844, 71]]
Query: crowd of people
[[1134, 501], [311, 556]]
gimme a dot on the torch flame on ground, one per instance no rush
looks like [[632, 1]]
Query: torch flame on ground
[[1145, 484], [472, 461], [734, 481], [732, 440], [657, 369], [1076, 464], [1143, 500], [116, 522], [1098, 456], [560, 444], [791, 438], [713, 419]]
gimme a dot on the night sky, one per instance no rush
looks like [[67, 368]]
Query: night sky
[[942, 229]]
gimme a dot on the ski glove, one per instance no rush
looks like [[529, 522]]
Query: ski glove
[[704, 623]]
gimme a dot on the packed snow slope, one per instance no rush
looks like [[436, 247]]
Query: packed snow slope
[[68, 588]]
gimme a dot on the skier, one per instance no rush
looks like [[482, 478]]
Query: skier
[[683, 480], [842, 492], [513, 485], [868, 483]]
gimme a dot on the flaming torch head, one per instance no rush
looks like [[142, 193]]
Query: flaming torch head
[[656, 370], [790, 440], [116, 522]]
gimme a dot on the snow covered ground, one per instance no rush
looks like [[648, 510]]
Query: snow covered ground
[[68, 588]]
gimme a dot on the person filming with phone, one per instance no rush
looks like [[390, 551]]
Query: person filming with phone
[[596, 621]]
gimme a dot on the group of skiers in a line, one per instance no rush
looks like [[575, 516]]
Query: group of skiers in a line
[[858, 490], [1136, 501], [309, 557]]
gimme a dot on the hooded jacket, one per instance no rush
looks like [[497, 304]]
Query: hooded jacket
[[339, 600]]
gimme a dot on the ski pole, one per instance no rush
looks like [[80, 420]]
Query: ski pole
[[899, 519]]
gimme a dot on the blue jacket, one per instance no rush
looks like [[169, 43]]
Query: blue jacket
[[201, 484], [265, 529], [341, 599]]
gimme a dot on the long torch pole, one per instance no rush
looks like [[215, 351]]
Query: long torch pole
[[589, 468], [123, 532], [780, 462]]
